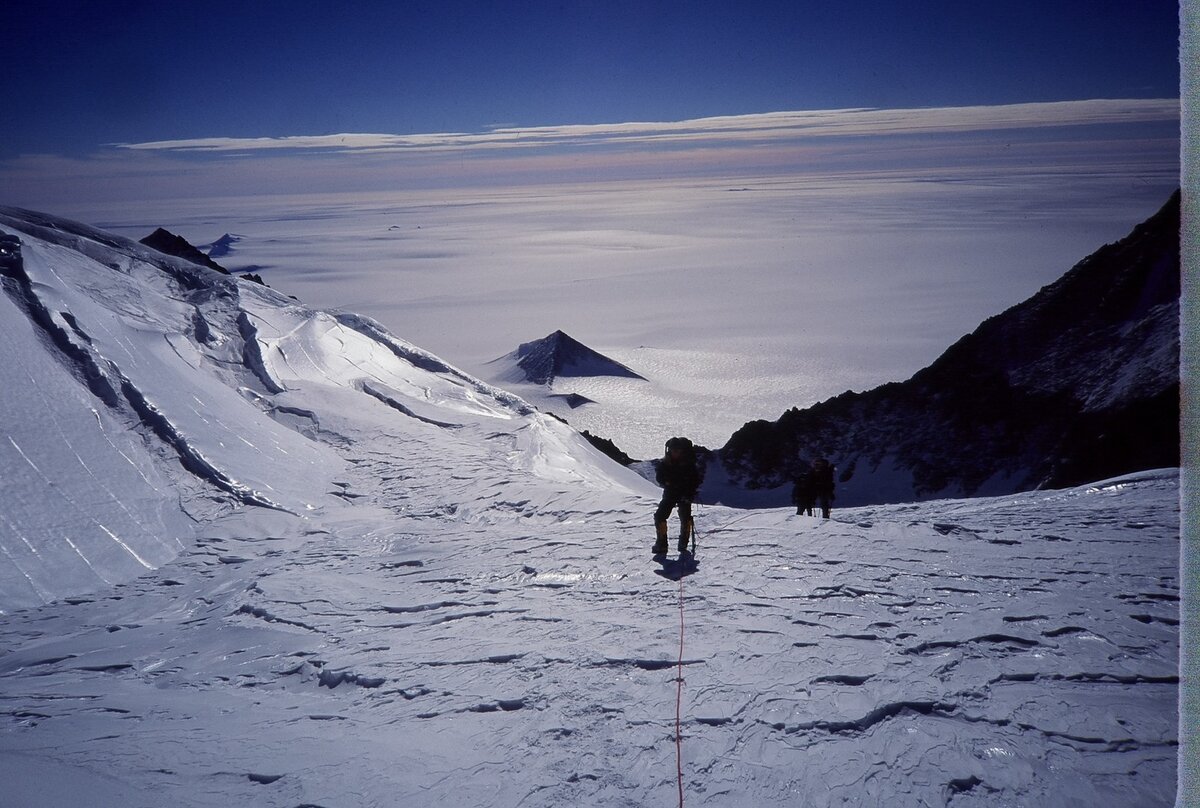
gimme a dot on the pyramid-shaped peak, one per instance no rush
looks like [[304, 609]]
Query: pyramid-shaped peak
[[559, 354], [559, 340], [222, 246]]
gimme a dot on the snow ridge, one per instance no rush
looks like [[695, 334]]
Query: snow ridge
[[105, 380], [70, 341], [252, 353], [426, 361], [190, 456]]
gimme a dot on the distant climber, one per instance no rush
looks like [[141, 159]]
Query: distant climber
[[679, 475], [822, 484], [803, 495]]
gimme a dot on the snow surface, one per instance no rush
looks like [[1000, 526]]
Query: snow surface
[[396, 585]]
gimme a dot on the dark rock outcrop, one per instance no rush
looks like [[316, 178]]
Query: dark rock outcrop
[[1078, 383], [573, 400], [168, 243], [608, 448]]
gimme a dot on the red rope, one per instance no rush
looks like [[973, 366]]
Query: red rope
[[679, 700]]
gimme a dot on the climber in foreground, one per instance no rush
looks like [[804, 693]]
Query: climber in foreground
[[680, 477]]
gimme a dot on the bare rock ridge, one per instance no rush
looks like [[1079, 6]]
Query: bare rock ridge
[[559, 354], [170, 244], [609, 448], [1078, 383]]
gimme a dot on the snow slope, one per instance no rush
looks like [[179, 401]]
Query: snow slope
[[395, 585], [199, 393]]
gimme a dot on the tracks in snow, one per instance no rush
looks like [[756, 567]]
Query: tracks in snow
[[521, 622]]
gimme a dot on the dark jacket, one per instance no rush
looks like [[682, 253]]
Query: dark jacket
[[802, 490], [682, 477]]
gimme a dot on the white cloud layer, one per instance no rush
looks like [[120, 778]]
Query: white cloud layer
[[729, 129]]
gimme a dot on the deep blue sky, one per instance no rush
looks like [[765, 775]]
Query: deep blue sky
[[79, 75]]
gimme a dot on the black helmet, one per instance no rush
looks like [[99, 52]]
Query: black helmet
[[679, 443]]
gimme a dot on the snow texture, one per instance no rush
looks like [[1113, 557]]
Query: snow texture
[[369, 579]]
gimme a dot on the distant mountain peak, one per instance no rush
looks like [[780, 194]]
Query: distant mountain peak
[[559, 354], [222, 246], [168, 243]]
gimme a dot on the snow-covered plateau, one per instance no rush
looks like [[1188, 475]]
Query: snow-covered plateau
[[257, 554]]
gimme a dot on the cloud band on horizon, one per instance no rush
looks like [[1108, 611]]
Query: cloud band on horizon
[[712, 131], [1134, 139]]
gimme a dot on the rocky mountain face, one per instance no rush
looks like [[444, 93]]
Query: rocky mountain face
[[559, 354], [1078, 383], [168, 243]]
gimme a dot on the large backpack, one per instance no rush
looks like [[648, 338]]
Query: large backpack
[[681, 443], [822, 476], [687, 472]]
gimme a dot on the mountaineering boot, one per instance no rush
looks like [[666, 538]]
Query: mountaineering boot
[[660, 542], [685, 534]]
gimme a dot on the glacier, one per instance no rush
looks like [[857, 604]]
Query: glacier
[[261, 554]]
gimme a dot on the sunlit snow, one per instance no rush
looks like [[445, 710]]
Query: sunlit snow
[[378, 581]]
